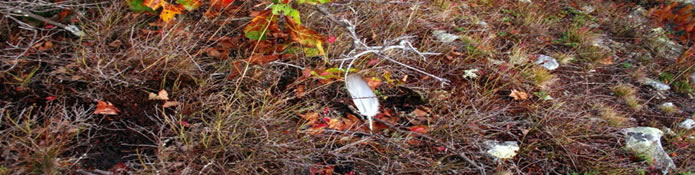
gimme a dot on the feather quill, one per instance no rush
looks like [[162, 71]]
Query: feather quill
[[363, 97]]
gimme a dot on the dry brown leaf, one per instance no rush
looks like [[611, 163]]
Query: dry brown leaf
[[607, 61], [519, 95], [106, 108], [170, 104], [162, 95], [300, 91], [116, 43]]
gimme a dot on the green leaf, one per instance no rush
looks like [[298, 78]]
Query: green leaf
[[287, 10], [136, 5]]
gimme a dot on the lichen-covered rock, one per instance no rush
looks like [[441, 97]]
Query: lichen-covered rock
[[444, 37], [655, 84], [504, 150], [646, 141], [687, 124], [547, 62], [659, 42]]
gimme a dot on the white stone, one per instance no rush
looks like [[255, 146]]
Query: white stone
[[525, 1], [547, 62], [647, 141], [504, 150], [655, 84], [444, 37], [687, 124]]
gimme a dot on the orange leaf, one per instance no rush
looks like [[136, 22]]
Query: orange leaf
[[519, 95], [106, 108], [220, 4], [153, 4]]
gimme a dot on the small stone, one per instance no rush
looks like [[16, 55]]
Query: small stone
[[525, 1], [687, 124], [482, 24], [504, 150], [547, 62], [655, 84], [588, 9], [647, 141], [692, 78], [444, 37]]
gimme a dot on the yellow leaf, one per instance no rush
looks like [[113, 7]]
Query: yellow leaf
[[170, 12]]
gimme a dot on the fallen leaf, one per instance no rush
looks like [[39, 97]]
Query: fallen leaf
[[162, 95], [374, 82], [50, 98], [262, 59], [170, 104], [519, 95], [607, 61], [116, 43], [170, 11], [300, 91], [422, 129], [106, 108]]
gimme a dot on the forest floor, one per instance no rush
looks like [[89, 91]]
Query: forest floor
[[95, 104]]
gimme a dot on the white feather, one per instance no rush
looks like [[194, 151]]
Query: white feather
[[363, 97]]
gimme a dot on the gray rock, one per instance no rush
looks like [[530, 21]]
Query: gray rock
[[504, 150], [444, 37], [646, 141], [692, 78], [655, 84], [687, 124], [547, 62]]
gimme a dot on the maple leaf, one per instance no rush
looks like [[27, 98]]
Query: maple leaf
[[519, 95], [106, 108], [258, 28]]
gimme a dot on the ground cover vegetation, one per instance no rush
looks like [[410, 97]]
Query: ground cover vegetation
[[257, 86]]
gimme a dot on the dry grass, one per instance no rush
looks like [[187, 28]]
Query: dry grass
[[251, 124]]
